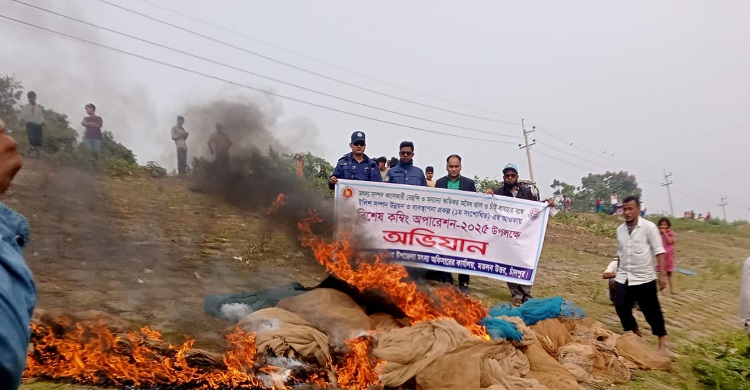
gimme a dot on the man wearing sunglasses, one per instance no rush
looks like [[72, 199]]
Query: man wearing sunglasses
[[355, 165], [520, 293], [405, 172]]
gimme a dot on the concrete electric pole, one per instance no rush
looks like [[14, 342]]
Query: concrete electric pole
[[667, 183], [723, 205], [528, 146]]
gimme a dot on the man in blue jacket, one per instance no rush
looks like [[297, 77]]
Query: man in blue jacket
[[17, 290], [405, 172], [454, 181], [355, 165]]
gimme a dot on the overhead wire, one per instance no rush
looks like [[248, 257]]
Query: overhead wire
[[586, 150], [575, 145], [546, 145], [281, 96], [318, 74], [261, 75], [567, 153], [319, 61], [564, 161], [694, 197]]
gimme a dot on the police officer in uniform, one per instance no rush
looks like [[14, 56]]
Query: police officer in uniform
[[355, 165]]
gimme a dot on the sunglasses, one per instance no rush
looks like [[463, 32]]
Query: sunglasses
[[406, 153], [511, 175], [359, 143]]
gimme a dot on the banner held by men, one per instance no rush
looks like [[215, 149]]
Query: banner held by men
[[438, 229]]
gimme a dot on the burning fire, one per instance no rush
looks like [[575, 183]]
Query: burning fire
[[338, 257], [358, 371], [94, 354], [277, 204]]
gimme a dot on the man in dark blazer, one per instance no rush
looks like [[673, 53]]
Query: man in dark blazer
[[454, 181]]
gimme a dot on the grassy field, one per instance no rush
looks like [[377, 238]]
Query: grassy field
[[149, 250]]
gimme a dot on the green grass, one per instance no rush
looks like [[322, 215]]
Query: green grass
[[722, 363], [598, 224], [606, 225], [712, 226]]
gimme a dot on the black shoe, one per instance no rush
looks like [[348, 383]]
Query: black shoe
[[464, 288]]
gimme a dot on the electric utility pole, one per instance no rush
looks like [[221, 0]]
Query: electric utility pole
[[528, 146], [723, 205], [667, 183]]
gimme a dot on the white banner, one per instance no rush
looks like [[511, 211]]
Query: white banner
[[446, 230]]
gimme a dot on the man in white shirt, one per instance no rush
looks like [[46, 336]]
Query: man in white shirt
[[638, 241], [745, 297], [179, 136], [32, 116]]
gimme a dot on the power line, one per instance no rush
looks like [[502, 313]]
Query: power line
[[691, 196], [574, 145], [307, 57], [568, 153], [564, 161], [528, 146], [299, 67], [723, 205], [248, 86], [588, 168], [261, 75], [642, 178], [667, 183]]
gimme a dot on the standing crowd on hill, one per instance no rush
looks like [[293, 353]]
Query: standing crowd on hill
[[32, 117]]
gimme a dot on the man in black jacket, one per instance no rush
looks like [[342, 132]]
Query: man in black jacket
[[455, 181], [520, 293]]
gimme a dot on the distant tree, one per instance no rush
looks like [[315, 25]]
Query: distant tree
[[313, 164], [486, 183], [561, 188], [595, 186], [58, 135], [11, 91]]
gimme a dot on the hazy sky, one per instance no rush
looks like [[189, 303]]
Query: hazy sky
[[658, 84]]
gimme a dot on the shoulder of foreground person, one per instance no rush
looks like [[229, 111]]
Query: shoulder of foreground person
[[17, 297], [649, 225]]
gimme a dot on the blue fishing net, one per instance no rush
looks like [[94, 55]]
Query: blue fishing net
[[500, 329], [539, 309]]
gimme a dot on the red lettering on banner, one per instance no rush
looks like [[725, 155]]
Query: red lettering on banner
[[427, 238]]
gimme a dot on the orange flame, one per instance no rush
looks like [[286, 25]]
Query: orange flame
[[277, 204], [338, 256], [358, 371], [94, 354]]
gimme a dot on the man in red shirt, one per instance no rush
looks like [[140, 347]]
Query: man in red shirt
[[92, 136]]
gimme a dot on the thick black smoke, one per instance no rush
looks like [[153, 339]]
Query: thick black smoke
[[262, 165]]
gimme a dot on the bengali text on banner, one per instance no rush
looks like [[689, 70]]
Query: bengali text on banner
[[447, 230]]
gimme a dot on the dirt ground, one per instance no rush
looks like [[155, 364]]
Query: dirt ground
[[150, 250]]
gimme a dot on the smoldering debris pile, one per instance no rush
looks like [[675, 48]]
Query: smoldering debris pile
[[322, 338]]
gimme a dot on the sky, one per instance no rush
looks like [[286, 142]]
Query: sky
[[641, 86]]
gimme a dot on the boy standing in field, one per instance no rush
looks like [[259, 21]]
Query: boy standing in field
[[92, 136]]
